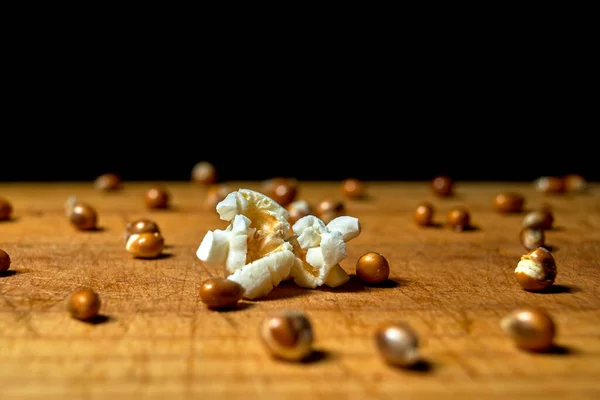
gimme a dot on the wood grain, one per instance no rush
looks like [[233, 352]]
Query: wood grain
[[157, 339]]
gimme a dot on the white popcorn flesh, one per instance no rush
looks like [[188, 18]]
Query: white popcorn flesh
[[330, 274], [232, 205], [264, 212], [314, 268], [309, 229], [314, 256], [260, 277], [336, 276], [531, 268], [259, 249], [348, 226], [238, 243], [333, 247], [214, 247]]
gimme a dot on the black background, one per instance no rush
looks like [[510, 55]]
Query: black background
[[353, 138], [366, 156], [474, 112]]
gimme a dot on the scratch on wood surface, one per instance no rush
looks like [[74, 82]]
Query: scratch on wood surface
[[207, 272], [459, 316], [347, 321], [460, 360], [230, 321], [428, 322], [368, 384], [182, 287], [154, 283], [50, 303], [432, 298], [464, 321], [498, 264], [417, 256], [190, 370], [406, 295], [21, 316], [93, 278]]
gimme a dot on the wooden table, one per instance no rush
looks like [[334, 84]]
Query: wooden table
[[159, 340]]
